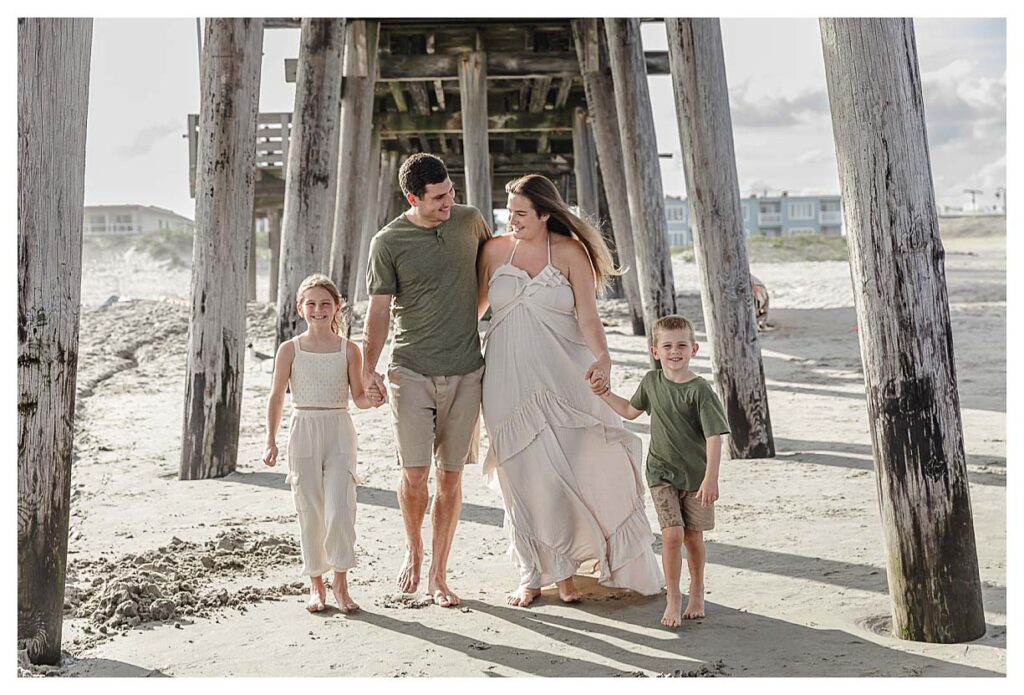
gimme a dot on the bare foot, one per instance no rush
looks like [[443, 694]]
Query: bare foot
[[672, 610], [568, 592], [442, 595], [317, 595], [694, 605], [339, 586], [409, 576], [522, 597]]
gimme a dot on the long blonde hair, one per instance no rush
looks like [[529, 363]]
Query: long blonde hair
[[546, 199], [321, 280]]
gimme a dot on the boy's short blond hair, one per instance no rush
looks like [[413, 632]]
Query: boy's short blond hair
[[673, 322]]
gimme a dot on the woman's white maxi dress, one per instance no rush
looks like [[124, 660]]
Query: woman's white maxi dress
[[570, 474]]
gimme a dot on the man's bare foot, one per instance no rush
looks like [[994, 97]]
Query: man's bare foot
[[442, 595], [568, 592], [317, 595], [339, 586], [694, 605], [672, 610], [522, 597], [409, 576]]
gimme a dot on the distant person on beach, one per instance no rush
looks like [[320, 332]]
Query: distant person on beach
[[687, 421], [422, 269], [569, 473], [322, 367]]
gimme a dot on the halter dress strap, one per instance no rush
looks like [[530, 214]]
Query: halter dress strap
[[514, 248], [296, 341], [549, 248]]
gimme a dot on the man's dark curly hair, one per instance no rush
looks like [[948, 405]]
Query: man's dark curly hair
[[419, 171]]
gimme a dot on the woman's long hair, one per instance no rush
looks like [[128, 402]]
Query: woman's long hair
[[321, 280], [546, 199]]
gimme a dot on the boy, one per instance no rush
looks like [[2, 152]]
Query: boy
[[687, 421]]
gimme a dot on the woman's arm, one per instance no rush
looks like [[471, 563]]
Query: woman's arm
[[275, 404], [581, 278], [355, 377]]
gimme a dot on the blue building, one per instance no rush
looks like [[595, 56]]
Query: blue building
[[783, 215]]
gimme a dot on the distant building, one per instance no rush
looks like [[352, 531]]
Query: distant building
[[133, 219], [768, 216]]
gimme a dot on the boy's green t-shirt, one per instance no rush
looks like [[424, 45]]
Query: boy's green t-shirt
[[683, 416], [431, 275]]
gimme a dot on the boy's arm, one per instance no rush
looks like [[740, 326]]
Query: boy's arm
[[620, 405], [708, 491]]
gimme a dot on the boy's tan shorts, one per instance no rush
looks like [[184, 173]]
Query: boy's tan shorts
[[435, 418], [681, 508]]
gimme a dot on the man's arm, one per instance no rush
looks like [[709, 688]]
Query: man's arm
[[375, 333]]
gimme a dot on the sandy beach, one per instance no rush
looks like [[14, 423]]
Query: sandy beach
[[202, 578]]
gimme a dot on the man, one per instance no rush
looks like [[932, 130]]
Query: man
[[422, 268]]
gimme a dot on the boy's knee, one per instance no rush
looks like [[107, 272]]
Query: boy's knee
[[672, 535], [693, 537]]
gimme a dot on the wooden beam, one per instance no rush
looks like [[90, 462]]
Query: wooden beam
[[395, 124], [643, 172], [500, 66], [906, 342], [396, 93], [584, 157], [473, 89], [439, 95], [719, 243]]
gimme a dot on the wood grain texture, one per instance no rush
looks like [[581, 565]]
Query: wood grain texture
[[897, 263], [473, 91]]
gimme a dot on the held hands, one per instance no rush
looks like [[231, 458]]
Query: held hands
[[270, 455], [708, 492], [374, 386], [600, 376]]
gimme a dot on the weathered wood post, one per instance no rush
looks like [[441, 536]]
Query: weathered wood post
[[312, 174], [232, 51], [53, 103], [250, 262], [591, 50], [354, 201], [385, 193], [584, 158], [643, 172], [369, 220], [709, 161], [274, 218], [906, 344], [476, 154]]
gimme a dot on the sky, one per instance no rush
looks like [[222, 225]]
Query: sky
[[145, 80]]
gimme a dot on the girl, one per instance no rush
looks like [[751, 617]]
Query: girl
[[321, 367]]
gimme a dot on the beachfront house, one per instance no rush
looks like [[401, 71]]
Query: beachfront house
[[133, 219]]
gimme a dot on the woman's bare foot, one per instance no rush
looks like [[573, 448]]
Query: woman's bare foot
[[317, 595], [409, 575], [442, 595], [339, 586], [568, 592], [672, 610], [694, 604], [522, 597]]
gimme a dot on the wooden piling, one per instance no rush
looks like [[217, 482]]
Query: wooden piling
[[53, 105], [356, 132], [591, 50], [897, 263], [584, 156], [274, 218], [225, 185], [709, 161], [473, 91], [312, 171]]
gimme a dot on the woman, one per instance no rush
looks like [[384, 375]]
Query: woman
[[570, 475]]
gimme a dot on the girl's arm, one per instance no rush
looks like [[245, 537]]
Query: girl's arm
[[275, 404], [581, 278], [355, 377]]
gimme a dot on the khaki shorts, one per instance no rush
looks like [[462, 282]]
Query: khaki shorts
[[681, 508], [435, 418]]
